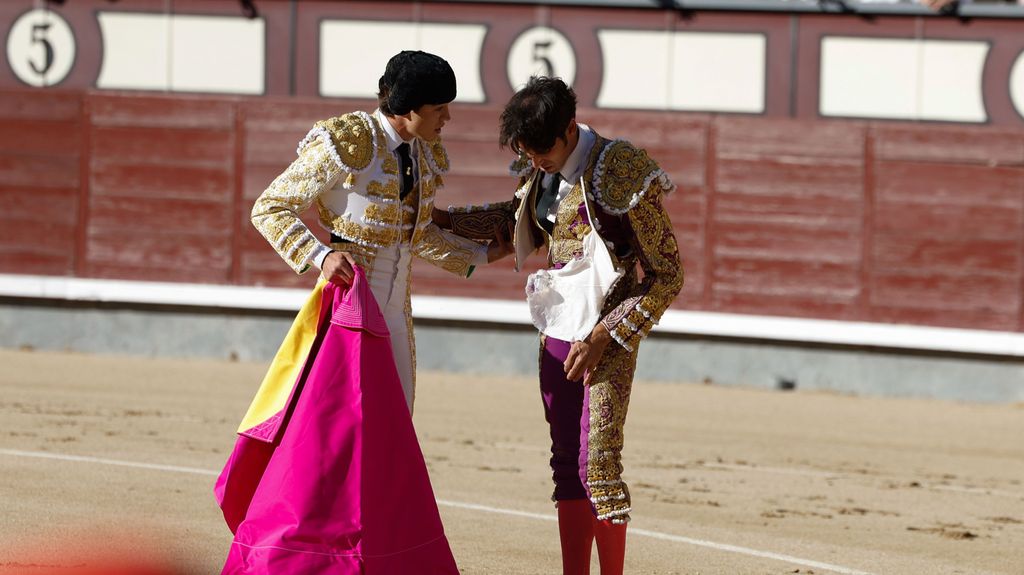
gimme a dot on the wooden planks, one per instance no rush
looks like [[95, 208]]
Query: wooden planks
[[888, 222], [160, 188], [40, 152]]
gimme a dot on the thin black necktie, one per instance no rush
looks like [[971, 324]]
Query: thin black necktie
[[405, 167], [544, 201]]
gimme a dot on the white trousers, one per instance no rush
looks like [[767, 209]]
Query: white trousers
[[389, 282]]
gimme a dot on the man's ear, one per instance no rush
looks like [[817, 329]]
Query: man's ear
[[569, 131]]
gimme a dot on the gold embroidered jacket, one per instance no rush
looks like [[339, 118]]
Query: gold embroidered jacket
[[345, 168], [627, 187]]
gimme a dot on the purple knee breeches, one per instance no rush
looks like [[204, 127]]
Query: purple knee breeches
[[565, 408]]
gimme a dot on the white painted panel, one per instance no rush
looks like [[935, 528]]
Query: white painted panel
[[869, 78], [951, 81], [721, 72], [182, 53], [353, 57], [218, 54], [718, 72], [902, 79], [636, 69], [135, 51], [1017, 84]]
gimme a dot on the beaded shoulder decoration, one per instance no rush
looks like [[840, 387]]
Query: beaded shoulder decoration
[[623, 174], [351, 140]]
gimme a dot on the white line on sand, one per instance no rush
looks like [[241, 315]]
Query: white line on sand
[[674, 538], [467, 506], [83, 459]]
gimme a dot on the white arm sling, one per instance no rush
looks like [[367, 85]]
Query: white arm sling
[[566, 303]]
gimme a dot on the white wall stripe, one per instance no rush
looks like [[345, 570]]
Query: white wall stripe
[[691, 323], [353, 73], [897, 78], [482, 508], [182, 53], [705, 71]]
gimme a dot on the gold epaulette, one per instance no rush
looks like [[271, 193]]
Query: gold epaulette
[[350, 140], [520, 167], [623, 174], [437, 157]]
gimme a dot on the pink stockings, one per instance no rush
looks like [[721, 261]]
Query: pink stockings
[[577, 530]]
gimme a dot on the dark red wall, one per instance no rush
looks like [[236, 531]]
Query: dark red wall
[[886, 222]]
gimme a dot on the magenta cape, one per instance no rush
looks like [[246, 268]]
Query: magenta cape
[[339, 485]]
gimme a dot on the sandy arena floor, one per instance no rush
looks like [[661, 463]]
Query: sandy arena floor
[[724, 481]]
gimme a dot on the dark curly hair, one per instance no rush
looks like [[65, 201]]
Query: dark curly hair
[[537, 115]]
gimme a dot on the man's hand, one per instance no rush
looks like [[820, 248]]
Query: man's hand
[[338, 267], [585, 355], [501, 245], [938, 5]]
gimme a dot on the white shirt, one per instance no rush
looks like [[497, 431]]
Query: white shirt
[[394, 140], [572, 170]]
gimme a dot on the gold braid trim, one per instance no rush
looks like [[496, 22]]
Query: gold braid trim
[[436, 156], [365, 235], [658, 254], [445, 250], [609, 391]]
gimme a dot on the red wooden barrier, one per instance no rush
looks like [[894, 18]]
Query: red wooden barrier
[[887, 222]]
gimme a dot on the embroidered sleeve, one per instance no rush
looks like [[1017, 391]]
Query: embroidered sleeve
[[448, 251], [478, 222], [276, 212], [655, 244]]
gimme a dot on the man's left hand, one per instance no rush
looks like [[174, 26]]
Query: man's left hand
[[501, 245], [585, 355]]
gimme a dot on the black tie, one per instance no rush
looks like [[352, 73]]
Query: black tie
[[405, 167], [545, 199]]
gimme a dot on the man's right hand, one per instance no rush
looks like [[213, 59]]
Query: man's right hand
[[338, 267]]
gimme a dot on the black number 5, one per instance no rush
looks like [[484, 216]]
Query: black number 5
[[538, 56], [39, 37]]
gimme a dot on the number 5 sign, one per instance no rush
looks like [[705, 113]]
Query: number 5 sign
[[540, 51], [41, 48]]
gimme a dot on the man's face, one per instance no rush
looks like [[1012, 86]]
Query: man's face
[[426, 121], [554, 159]]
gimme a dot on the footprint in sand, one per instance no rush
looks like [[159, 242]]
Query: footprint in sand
[[955, 531]]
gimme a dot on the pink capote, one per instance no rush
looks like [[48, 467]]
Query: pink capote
[[342, 487]]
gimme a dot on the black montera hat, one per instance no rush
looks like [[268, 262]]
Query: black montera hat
[[414, 78]]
